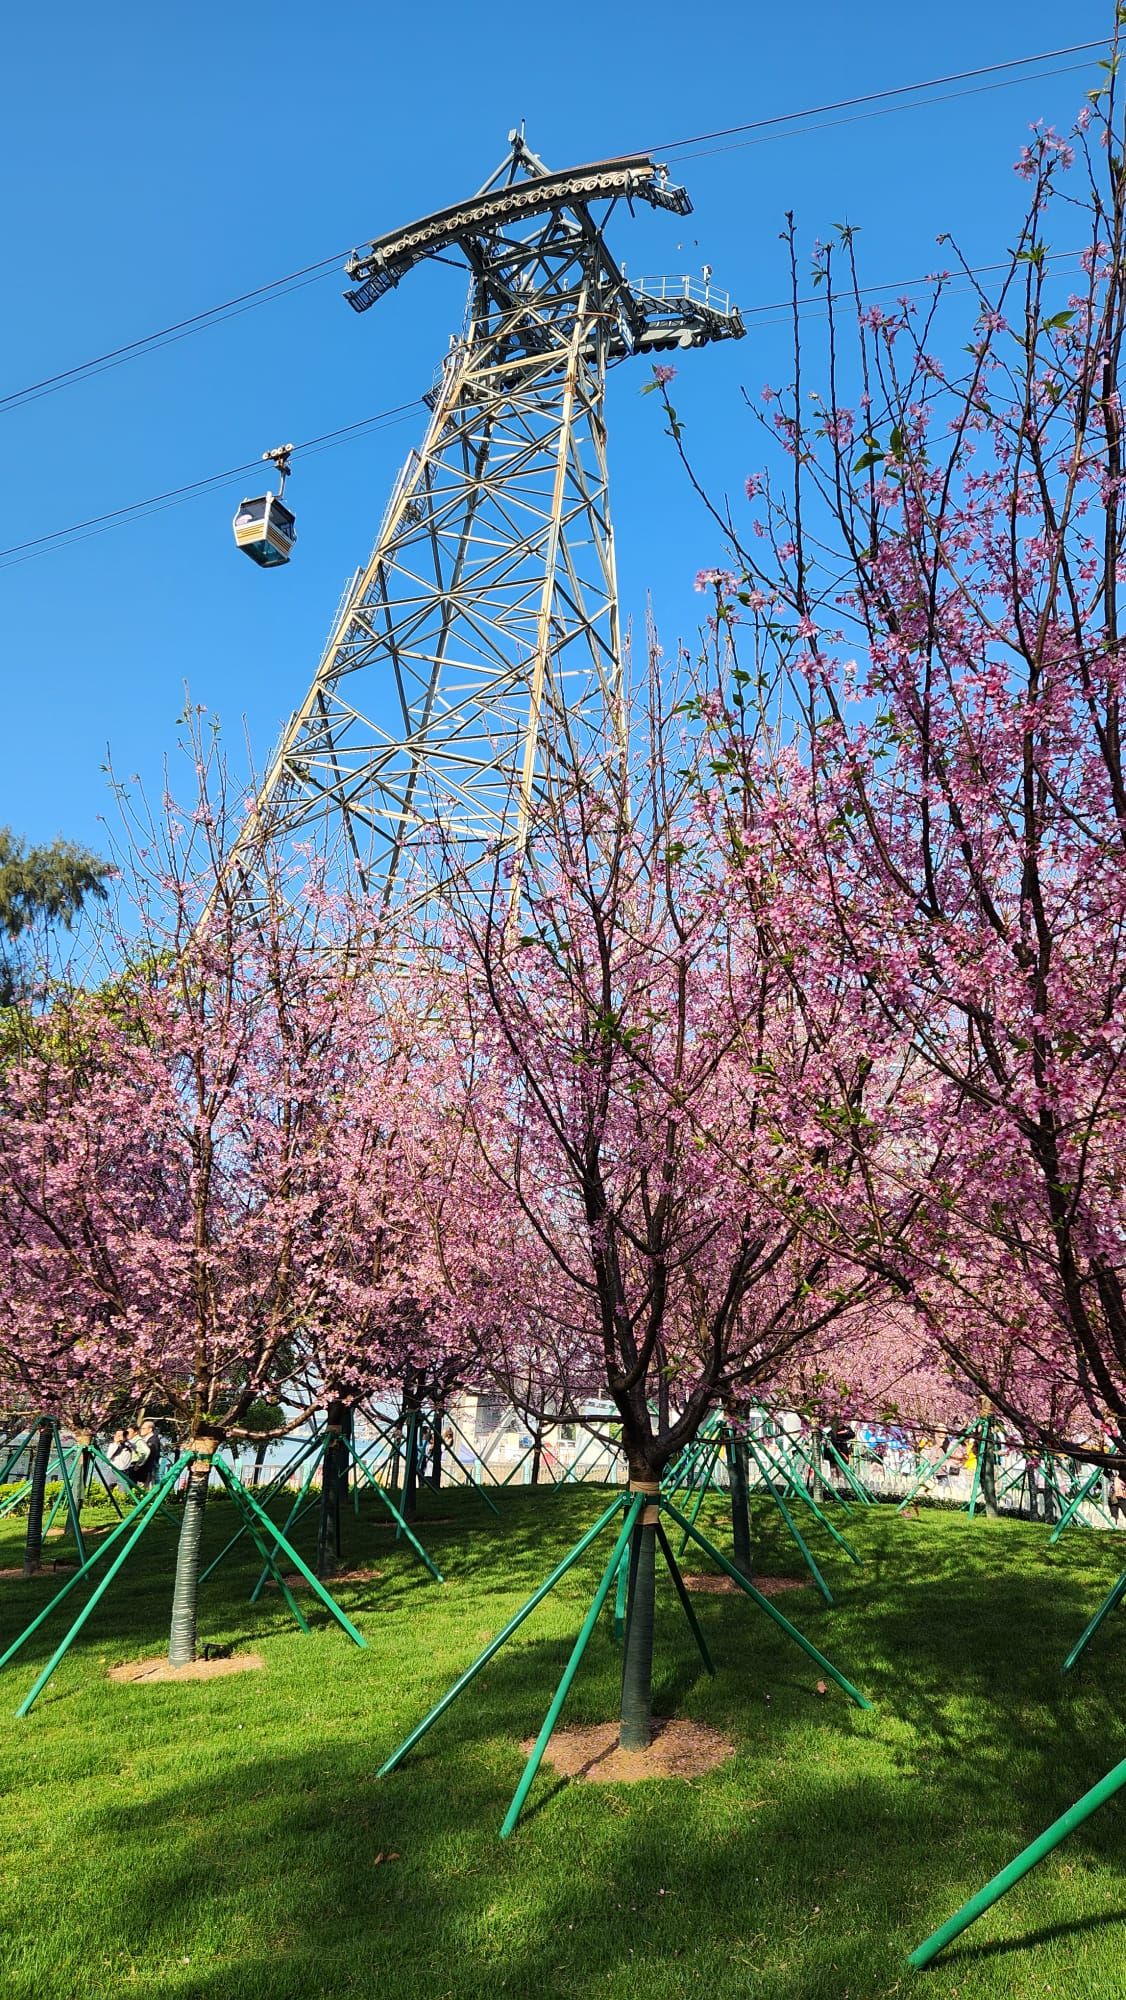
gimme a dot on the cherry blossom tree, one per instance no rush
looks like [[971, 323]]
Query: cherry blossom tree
[[927, 605], [672, 1127]]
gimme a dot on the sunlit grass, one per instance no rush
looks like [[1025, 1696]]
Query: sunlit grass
[[224, 1839]]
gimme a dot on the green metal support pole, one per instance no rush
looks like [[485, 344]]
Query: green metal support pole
[[1023, 1864], [72, 1582], [264, 1495], [573, 1556], [14, 1499], [803, 1547], [771, 1610], [620, 1598], [806, 1458], [800, 1493], [478, 1484], [71, 1505], [571, 1669], [279, 1540], [861, 1492], [14, 1457], [1072, 1507], [931, 1471], [294, 1513], [687, 1605], [253, 1531], [138, 1526], [705, 1487], [403, 1525], [1113, 1598]]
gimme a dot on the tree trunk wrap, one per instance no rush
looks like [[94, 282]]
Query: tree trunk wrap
[[740, 1506], [409, 1506], [185, 1590], [817, 1480], [80, 1477], [989, 1475], [636, 1723], [334, 1475], [33, 1539]]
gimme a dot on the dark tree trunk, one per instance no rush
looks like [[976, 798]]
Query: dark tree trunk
[[409, 1507], [740, 1505], [185, 1589], [537, 1455], [989, 1472], [636, 1725], [260, 1451], [33, 1538], [436, 1453], [334, 1490]]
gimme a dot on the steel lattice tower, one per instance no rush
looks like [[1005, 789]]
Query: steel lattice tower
[[485, 623]]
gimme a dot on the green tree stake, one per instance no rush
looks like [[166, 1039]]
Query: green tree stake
[[686, 1602], [260, 1545], [1113, 1597], [404, 1525], [705, 1487], [800, 1493], [571, 1669], [932, 1471], [771, 1610], [620, 1598], [279, 1541], [1021, 1866], [573, 1556], [265, 1495], [294, 1513], [138, 1526], [860, 1490], [803, 1547], [71, 1504], [798, 1451]]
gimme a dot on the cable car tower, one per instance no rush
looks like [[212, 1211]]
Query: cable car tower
[[485, 621]]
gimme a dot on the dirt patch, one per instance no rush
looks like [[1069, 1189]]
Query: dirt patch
[[44, 1569], [680, 1749], [767, 1586], [420, 1521], [198, 1670], [296, 1582]]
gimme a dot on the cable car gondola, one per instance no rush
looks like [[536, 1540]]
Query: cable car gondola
[[265, 528]]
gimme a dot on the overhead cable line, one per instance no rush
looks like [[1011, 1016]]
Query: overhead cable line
[[877, 96], [775, 312], [117, 517], [312, 273]]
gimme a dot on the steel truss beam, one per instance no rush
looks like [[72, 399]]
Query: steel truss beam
[[483, 632]]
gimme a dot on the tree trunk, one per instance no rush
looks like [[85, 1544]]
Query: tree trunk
[[436, 1453], [740, 1505], [537, 1455], [33, 1538], [185, 1590], [260, 1451], [83, 1468], [409, 1506], [334, 1490], [989, 1473], [636, 1725], [817, 1482]]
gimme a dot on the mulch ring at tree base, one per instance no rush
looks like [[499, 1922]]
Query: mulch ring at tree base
[[680, 1749], [767, 1586], [197, 1670], [296, 1582], [43, 1569]]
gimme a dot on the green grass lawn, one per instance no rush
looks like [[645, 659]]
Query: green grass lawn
[[220, 1841]]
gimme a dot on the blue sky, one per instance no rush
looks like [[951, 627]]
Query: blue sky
[[158, 161]]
